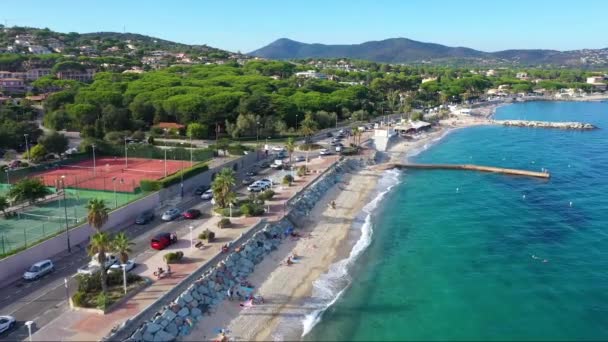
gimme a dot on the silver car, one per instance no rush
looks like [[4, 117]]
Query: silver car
[[171, 214], [38, 270], [6, 323]]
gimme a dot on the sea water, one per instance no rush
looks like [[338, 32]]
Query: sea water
[[459, 255]]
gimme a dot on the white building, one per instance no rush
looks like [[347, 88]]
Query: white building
[[34, 74], [38, 50], [311, 74], [522, 75]]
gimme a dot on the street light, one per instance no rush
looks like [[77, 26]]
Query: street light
[[65, 210], [257, 140], [182, 177], [67, 292], [28, 324], [230, 206], [296, 123], [94, 169], [165, 161], [115, 197], [191, 238], [126, 155], [27, 148], [8, 178], [124, 277]]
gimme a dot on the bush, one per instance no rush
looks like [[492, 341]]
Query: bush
[[103, 301], [302, 171], [207, 235], [89, 283], [189, 172], [252, 209], [236, 211], [266, 195], [310, 147], [349, 151], [78, 298], [288, 179], [223, 223], [173, 257], [149, 185]]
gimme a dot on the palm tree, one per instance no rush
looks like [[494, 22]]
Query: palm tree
[[122, 246], [100, 244], [4, 204], [357, 135], [309, 127], [222, 187], [97, 213], [290, 145]]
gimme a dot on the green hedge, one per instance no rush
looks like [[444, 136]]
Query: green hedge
[[177, 177], [149, 185]]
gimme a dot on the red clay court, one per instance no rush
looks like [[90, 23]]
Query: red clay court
[[110, 173]]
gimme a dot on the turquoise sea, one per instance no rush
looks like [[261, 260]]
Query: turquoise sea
[[455, 255]]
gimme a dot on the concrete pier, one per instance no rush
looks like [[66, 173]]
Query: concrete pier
[[480, 168]]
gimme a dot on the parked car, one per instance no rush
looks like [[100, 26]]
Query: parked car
[[89, 269], [118, 267], [278, 148], [255, 188], [171, 214], [325, 152], [207, 195], [14, 163], [248, 181], [267, 181], [38, 270], [339, 148], [264, 165], [201, 190], [6, 323], [111, 259], [329, 135], [191, 214], [300, 159], [162, 241], [251, 173], [145, 217]]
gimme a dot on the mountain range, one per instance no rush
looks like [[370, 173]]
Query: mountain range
[[403, 50]]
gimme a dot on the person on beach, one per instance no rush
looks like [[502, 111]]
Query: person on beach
[[289, 261], [333, 204]]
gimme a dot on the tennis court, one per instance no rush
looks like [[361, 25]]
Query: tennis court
[[110, 173], [46, 219]]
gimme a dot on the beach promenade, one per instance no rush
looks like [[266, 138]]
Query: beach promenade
[[82, 325]]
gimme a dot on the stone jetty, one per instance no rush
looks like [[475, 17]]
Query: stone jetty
[[546, 124]]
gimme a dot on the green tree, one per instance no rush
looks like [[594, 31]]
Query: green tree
[[97, 213], [122, 246], [309, 126], [100, 244], [197, 131], [37, 153], [28, 189], [222, 187], [54, 142]]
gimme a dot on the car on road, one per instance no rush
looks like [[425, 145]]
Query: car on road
[[191, 214], [145, 217], [207, 195], [7, 323], [264, 165], [325, 152], [38, 270], [118, 267], [248, 181], [264, 184], [251, 173], [300, 159], [163, 240], [278, 148], [171, 214], [201, 190], [329, 135]]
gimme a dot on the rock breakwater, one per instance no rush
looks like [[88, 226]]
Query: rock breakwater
[[546, 124]]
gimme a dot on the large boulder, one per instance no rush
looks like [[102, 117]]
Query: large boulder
[[153, 328], [183, 312], [163, 336]]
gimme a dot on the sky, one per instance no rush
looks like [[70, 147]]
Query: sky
[[245, 25]]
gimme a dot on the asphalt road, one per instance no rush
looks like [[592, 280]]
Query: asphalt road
[[45, 299]]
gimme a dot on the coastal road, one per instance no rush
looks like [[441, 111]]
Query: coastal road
[[43, 300]]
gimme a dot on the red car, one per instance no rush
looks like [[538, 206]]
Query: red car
[[162, 240], [191, 214]]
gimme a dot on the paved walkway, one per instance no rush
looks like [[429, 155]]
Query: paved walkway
[[77, 325]]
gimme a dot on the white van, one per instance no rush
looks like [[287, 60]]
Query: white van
[[38, 270]]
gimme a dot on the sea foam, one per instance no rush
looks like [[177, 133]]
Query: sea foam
[[330, 286]]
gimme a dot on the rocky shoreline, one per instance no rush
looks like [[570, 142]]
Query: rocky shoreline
[[545, 124]]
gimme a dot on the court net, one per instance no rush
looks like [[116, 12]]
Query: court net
[[45, 218]]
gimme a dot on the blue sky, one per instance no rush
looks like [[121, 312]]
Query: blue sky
[[249, 24]]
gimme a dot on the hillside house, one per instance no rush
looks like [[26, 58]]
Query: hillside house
[[12, 85]]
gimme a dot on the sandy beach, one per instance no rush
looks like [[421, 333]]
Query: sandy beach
[[328, 237]]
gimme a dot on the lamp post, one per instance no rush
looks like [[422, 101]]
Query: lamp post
[[257, 140], [115, 197], [8, 178], [94, 168], [126, 155], [67, 290], [181, 185], [28, 324], [165, 161], [124, 277], [296, 123], [27, 148], [65, 210], [230, 206], [191, 238]]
